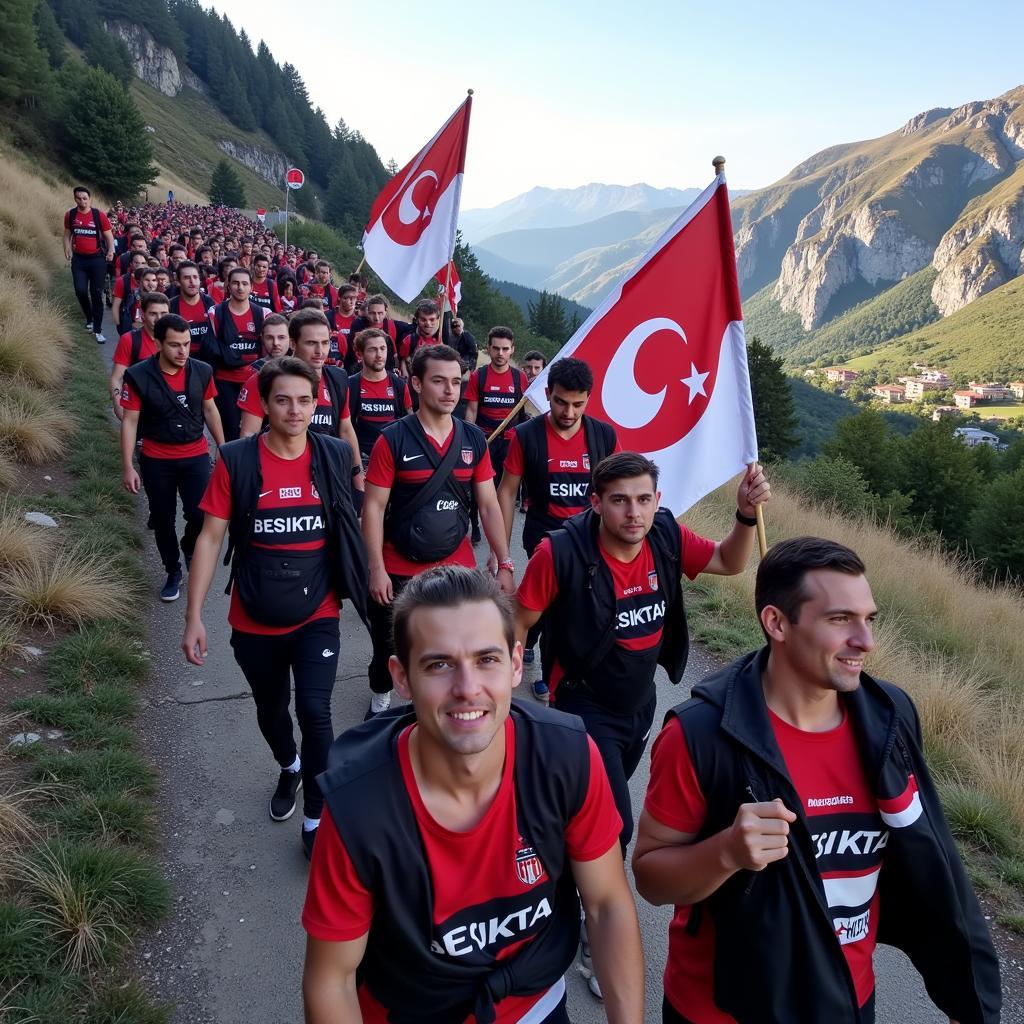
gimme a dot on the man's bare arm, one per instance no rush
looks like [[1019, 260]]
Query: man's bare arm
[[507, 491], [329, 990]]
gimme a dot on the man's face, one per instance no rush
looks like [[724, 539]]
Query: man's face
[[240, 286], [426, 324], [148, 282], [260, 269], [532, 367], [459, 677], [207, 257], [500, 350], [82, 199], [247, 248], [627, 508], [152, 314], [228, 267], [291, 405], [188, 282], [833, 632], [566, 406], [139, 245], [376, 313], [163, 281], [175, 347], [347, 303], [457, 327], [323, 276], [275, 340], [138, 260], [375, 354], [314, 345], [439, 388]]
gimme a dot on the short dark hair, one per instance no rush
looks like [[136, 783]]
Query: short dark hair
[[261, 257], [285, 366], [623, 466], [535, 354], [448, 586], [322, 263], [501, 332], [239, 270], [140, 272], [571, 374], [303, 318], [360, 340], [184, 265], [169, 322], [780, 576], [347, 289], [80, 188], [428, 306], [223, 264], [273, 320], [377, 300], [148, 299], [439, 353], [316, 304]]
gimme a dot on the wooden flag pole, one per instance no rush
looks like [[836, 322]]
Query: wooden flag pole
[[447, 285], [498, 431], [360, 267]]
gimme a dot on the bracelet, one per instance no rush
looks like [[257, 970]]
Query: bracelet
[[745, 520], [507, 564]]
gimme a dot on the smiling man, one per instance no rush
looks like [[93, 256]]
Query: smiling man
[[456, 835], [790, 808]]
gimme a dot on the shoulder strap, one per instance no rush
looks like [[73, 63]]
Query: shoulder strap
[[481, 383], [136, 345], [334, 389], [355, 396], [437, 479], [398, 387]]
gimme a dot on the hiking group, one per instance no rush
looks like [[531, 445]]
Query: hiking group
[[467, 846]]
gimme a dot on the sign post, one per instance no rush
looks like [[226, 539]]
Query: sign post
[[294, 178]]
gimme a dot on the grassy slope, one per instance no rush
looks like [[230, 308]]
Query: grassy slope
[[185, 144]]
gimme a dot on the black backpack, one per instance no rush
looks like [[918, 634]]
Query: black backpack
[[101, 242]]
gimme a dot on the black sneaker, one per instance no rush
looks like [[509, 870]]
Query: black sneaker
[[172, 588], [308, 839], [282, 803]]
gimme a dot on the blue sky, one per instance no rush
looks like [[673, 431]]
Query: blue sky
[[574, 92]]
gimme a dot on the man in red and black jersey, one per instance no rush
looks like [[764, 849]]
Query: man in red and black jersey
[[124, 288], [236, 325], [89, 248], [413, 797], [375, 396], [320, 286], [790, 797], [193, 306], [429, 328], [137, 344], [554, 455], [284, 497], [171, 397], [376, 315], [264, 287], [424, 471], [341, 319]]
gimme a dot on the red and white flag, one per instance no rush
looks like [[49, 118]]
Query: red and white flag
[[411, 230], [669, 357], [449, 276]]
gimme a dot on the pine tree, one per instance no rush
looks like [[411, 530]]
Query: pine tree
[[49, 35], [103, 134], [226, 188], [392, 167], [774, 414], [866, 440], [109, 53], [25, 76], [997, 526]]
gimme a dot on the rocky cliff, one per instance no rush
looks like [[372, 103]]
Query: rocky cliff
[[156, 65], [946, 189], [269, 164]]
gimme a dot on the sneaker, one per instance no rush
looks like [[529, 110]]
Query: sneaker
[[88, 326], [476, 538], [380, 702], [308, 839], [540, 691], [282, 803], [529, 656], [172, 588], [100, 340], [587, 964]]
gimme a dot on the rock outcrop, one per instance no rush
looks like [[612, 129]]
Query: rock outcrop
[[269, 164], [156, 65]]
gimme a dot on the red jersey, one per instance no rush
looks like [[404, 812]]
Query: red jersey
[[217, 291], [249, 401], [288, 517], [382, 473], [85, 241], [339, 908], [123, 352], [498, 397], [198, 319], [118, 292], [176, 382], [846, 829], [639, 601], [341, 337], [271, 300], [377, 409]]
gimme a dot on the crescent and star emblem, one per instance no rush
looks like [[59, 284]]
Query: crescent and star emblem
[[408, 211]]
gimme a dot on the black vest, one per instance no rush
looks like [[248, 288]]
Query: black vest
[[199, 330], [167, 416], [539, 477], [331, 467], [367, 431], [324, 422], [582, 617], [266, 302], [234, 351], [370, 806]]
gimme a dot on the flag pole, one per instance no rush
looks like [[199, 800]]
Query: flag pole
[[508, 419], [762, 539]]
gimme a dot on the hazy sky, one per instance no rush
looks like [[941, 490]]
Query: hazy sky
[[569, 92]]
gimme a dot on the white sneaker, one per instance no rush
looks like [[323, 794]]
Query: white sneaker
[[88, 327], [380, 702], [99, 338]]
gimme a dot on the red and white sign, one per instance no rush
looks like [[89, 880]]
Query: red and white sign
[[261, 214], [451, 278], [294, 178], [669, 356], [411, 230]]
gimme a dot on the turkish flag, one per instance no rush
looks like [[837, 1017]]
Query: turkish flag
[[669, 356], [448, 276], [411, 231]]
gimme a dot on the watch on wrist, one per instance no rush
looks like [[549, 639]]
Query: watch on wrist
[[745, 520]]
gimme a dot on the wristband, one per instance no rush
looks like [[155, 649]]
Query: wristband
[[745, 520], [507, 564]]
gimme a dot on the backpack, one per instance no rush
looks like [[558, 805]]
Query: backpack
[[101, 242]]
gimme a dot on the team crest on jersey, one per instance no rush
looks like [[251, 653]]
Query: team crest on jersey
[[390, 392], [529, 869], [250, 326], [183, 399], [467, 456], [586, 461], [243, 396], [652, 580]]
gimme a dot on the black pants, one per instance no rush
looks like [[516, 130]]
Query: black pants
[[380, 636], [88, 273], [620, 740], [164, 480], [226, 401], [310, 655], [669, 1014]]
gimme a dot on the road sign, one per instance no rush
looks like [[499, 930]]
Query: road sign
[[294, 178], [261, 214]]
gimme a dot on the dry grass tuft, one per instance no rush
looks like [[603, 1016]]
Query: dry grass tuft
[[21, 543], [17, 826], [31, 425], [32, 209], [26, 349], [74, 586], [26, 271]]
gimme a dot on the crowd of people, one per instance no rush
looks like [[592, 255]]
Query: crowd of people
[[466, 846]]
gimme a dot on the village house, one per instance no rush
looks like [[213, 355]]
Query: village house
[[941, 412], [988, 392], [840, 375], [965, 399], [1017, 388], [973, 437], [889, 393], [916, 387]]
